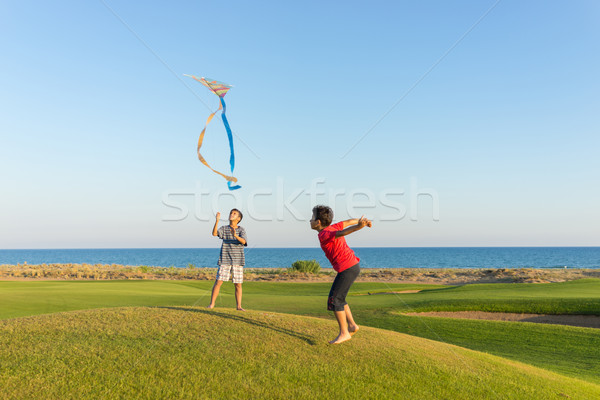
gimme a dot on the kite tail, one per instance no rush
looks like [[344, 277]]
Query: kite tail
[[201, 139], [230, 137]]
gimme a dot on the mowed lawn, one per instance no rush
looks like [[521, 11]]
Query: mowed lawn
[[570, 351], [195, 353]]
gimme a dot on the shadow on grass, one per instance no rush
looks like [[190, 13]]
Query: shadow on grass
[[249, 321]]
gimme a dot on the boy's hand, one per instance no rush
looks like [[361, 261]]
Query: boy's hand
[[218, 216], [362, 222]]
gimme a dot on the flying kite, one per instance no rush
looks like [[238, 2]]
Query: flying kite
[[220, 89]]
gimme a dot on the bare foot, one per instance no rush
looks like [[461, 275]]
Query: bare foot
[[240, 309], [352, 330], [341, 338], [210, 306]]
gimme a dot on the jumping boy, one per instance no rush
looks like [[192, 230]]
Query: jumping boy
[[343, 261], [232, 257]]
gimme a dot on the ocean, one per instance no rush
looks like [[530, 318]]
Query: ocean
[[371, 257]]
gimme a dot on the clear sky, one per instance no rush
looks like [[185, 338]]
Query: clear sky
[[449, 123]]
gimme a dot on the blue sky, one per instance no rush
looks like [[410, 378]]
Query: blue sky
[[464, 123]]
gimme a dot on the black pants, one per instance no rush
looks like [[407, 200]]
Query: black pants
[[340, 287]]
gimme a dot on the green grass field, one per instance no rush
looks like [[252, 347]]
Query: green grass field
[[152, 339]]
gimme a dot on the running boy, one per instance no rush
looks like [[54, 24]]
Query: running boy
[[343, 261], [231, 258]]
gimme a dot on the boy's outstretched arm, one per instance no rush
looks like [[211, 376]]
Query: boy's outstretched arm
[[349, 222], [361, 223], [216, 227]]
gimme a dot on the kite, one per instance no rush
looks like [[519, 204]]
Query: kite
[[220, 89]]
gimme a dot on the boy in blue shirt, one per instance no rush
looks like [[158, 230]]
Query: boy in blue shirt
[[231, 259]]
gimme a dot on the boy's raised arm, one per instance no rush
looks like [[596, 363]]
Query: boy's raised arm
[[349, 222], [216, 227], [360, 223]]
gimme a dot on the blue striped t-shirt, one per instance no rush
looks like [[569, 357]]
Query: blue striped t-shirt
[[232, 251]]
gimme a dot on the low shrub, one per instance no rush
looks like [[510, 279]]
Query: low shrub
[[310, 266]]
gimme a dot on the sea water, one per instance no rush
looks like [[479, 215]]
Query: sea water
[[370, 257]]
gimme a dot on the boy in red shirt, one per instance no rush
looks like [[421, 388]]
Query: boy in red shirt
[[343, 261]]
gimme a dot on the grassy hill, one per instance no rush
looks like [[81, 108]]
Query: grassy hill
[[569, 351], [191, 352]]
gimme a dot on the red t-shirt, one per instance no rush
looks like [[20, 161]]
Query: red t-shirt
[[337, 251]]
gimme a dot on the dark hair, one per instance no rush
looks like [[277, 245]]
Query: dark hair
[[239, 212], [323, 214]]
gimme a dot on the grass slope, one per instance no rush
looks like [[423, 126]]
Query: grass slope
[[566, 350], [190, 352]]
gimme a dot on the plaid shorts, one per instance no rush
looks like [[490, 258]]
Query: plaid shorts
[[224, 273]]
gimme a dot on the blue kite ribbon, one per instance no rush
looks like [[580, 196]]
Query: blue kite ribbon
[[230, 137]]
